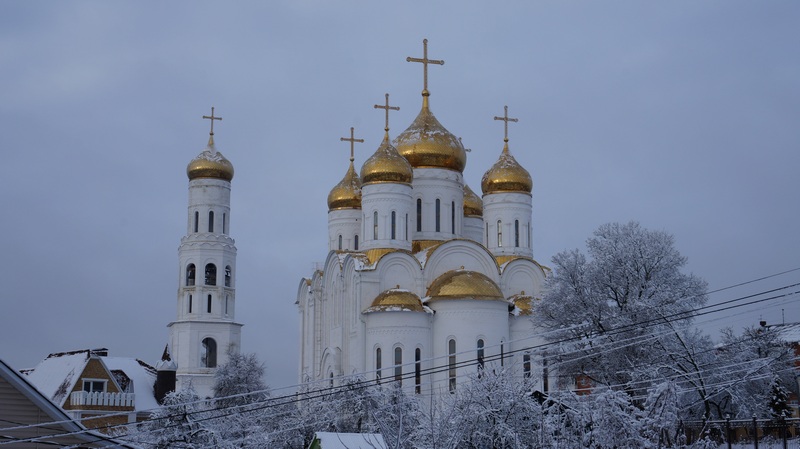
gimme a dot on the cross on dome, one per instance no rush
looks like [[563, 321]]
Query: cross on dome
[[212, 118], [425, 61], [506, 119], [387, 107], [352, 141]]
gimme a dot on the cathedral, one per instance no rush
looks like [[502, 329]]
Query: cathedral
[[425, 283]]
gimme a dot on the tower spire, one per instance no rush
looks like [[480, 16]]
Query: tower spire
[[425, 61]]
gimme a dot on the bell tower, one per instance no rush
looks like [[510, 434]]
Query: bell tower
[[205, 330]]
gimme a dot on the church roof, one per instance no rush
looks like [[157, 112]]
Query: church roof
[[464, 284], [396, 300]]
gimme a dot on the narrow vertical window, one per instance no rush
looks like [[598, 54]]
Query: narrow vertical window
[[226, 304], [331, 379], [419, 214], [502, 354], [208, 304], [340, 242], [487, 234], [394, 225], [196, 221], [190, 275], [406, 228], [355, 240], [398, 366], [438, 215], [516, 233], [211, 274], [451, 363], [418, 371], [480, 356], [526, 365], [228, 275], [529, 235], [211, 221], [190, 303], [499, 233], [378, 365], [545, 374], [224, 224], [375, 225], [453, 217]]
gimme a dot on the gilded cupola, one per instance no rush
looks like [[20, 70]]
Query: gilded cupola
[[386, 165], [396, 299], [506, 175], [463, 284], [210, 164], [347, 193], [427, 144], [473, 205]]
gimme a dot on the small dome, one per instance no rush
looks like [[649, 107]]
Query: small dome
[[210, 164], [506, 175], [386, 165], [346, 194], [461, 284], [522, 303], [396, 299], [473, 205], [426, 143]]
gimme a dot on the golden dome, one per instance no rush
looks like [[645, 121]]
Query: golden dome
[[386, 165], [426, 143], [210, 164], [523, 303], [473, 205], [506, 175], [346, 194], [396, 299], [461, 284]]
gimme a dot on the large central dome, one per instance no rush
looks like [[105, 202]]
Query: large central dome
[[427, 144]]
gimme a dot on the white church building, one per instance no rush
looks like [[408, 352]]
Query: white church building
[[425, 283]]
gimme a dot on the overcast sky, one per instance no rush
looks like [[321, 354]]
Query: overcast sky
[[682, 115]]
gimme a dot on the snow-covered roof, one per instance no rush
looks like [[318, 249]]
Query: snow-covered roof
[[143, 377], [789, 332], [55, 376], [332, 440]]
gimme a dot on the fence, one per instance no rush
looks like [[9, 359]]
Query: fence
[[746, 433]]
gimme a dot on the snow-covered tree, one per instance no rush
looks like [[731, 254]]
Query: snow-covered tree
[[239, 381], [779, 401], [182, 423]]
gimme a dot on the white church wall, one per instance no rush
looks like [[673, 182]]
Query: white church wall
[[429, 185]]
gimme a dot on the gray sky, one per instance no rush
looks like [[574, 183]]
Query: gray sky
[[682, 115]]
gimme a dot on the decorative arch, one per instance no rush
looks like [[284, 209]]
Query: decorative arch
[[460, 254], [398, 268], [522, 275]]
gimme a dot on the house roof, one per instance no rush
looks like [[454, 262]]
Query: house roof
[[332, 440], [24, 410], [143, 377], [789, 332]]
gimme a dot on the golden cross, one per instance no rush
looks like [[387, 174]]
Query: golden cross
[[387, 107], [352, 141], [462, 144], [506, 120], [425, 61], [212, 118]]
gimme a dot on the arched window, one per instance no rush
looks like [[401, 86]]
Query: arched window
[[211, 221], [340, 242], [438, 215], [190, 274], [190, 303], [228, 276], [526, 365], [451, 363], [211, 274], [419, 214], [208, 304], [487, 234], [375, 225], [224, 223], [208, 356], [356, 243], [226, 304], [499, 233], [398, 365], [394, 225], [480, 355], [516, 233], [378, 365], [453, 217], [418, 371], [196, 221]]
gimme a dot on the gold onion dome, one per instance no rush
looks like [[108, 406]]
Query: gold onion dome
[[461, 284], [506, 175], [473, 205], [396, 299], [426, 143], [346, 194], [386, 165], [210, 164]]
